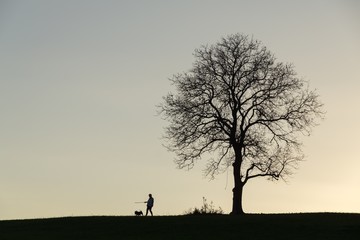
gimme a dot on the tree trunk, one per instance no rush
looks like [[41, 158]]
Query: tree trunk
[[237, 208]]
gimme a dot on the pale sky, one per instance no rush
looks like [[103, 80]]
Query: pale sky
[[79, 85]]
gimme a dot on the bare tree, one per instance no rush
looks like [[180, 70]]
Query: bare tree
[[242, 108]]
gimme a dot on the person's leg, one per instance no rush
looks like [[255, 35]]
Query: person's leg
[[147, 210], [150, 209]]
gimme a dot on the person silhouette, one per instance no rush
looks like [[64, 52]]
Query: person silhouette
[[149, 205]]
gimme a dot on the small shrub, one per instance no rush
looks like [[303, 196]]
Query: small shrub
[[206, 209]]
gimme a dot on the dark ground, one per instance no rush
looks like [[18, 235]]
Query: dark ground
[[253, 226]]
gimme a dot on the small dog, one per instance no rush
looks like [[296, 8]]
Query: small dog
[[139, 213]]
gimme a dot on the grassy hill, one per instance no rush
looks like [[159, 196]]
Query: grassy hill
[[253, 226]]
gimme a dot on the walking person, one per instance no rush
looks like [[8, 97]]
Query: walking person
[[149, 205]]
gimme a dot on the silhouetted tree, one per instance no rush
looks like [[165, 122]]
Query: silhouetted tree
[[237, 101]]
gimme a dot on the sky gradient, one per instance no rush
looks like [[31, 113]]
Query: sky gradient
[[79, 85]]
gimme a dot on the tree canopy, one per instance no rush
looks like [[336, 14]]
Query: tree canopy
[[243, 108]]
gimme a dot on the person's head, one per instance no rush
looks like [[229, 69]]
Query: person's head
[[150, 195]]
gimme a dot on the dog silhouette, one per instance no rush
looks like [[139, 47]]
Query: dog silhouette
[[139, 213]]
